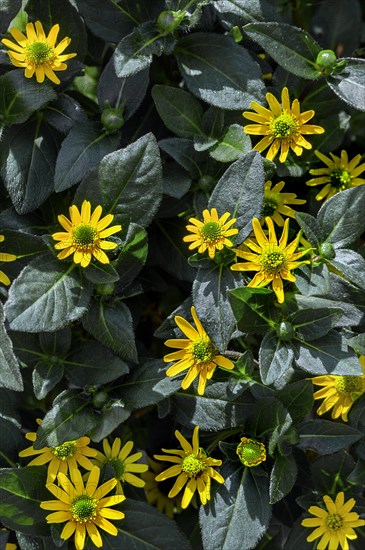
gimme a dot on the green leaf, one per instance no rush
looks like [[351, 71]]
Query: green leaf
[[46, 296], [326, 437], [64, 113], [21, 492], [253, 309], [270, 417], [219, 71], [8, 10], [240, 191], [30, 153], [10, 376], [12, 441], [98, 273], [133, 255], [83, 365], [312, 323], [110, 23], [81, 151], [131, 180], [180, 111], [243, 500], [343, 27], [349, 84], [327, 355], [341, 218], [211, 290], [27, 542], [297, 398], [313, 280], [291, 47], [20, 97], [218, 409], [282, 477], [113, 414], [311, 227], [275, 360], [182, 150], [45, 376], [112, 325], [232, 145], [351, 265], [238, 12]]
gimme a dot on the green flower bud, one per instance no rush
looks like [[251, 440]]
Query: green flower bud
[[100, 399], [105, 289], [285, 331], [168, 21], [206, 183], [326, 59], [112, 119], [327, 251]]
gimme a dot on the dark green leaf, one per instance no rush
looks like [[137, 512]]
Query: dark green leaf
[[238, 12], [312, 229], [133, 254], [343, 27], [98, 273], [232, 145], [45, 376], [282, 477], [46, 296], [297, 398], [275, 359], [182, 150], [10, 376], [351, 265], [291, 47], [8, 10], [326, 437], [27, 542], [313, 280], [253, 309], [64, 113], [311, 324], [270, 417], [110, 23], [113, 414], [219, 71], [12, 442], [349, 84]]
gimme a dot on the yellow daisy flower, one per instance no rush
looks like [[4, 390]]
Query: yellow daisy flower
[[272, 259], [63, 458], [340, 174], [282, 125], [212, 233], [84, 507], [251, 452], [5, 257], [334, 525], [122, 462], [157, 492], [84, 235], [38, 53], [276, 203], [193, 468], [339, 392], [197, 354]]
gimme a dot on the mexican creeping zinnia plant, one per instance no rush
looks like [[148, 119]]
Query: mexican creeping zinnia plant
[[197, 354], [5, 257], [193, 468], [38, 53], [273, 260], [276, 203], [339, 392], [282, 126], [335, 524], [339, 174], [83, 507], [212, 233], [84, 235]]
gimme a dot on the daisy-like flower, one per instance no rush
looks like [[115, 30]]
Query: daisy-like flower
[[123, 463], [62, 458], [193, 468], [273, 260], [197, 354], [212, 233], [38, 53], [282, 125], [157, 492], [251, 452], [276, 203], [339, 174], [339, 392], [83, 507], [84, 235], [335, 524], [5, 257]]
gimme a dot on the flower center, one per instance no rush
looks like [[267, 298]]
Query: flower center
[[283, 126], [273, 260], [84, 236], [340, 179], [39, 52], [346, 385], [211, 232], [193, 466], [334, 522], [65, 451], [83, 508], [270, 205], [203, 351], [118, 467], [251, 452]]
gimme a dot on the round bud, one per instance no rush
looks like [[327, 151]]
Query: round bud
[[285, 331], [112, 119], [105, 289], [326, 59], [167, 21], [100, 399], [327, 251], [206, 183]]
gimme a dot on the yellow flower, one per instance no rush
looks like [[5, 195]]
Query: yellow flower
[[4, 257], [62, 458], [272, 259], [84, 234], [335, 525], [38, 53], [251, 452], [123, 463], [276, 203], [155, 492], [193, 468], [339, 392], [340, 174], [283, 126], [84, 507], [197, 354], [212, 233]]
